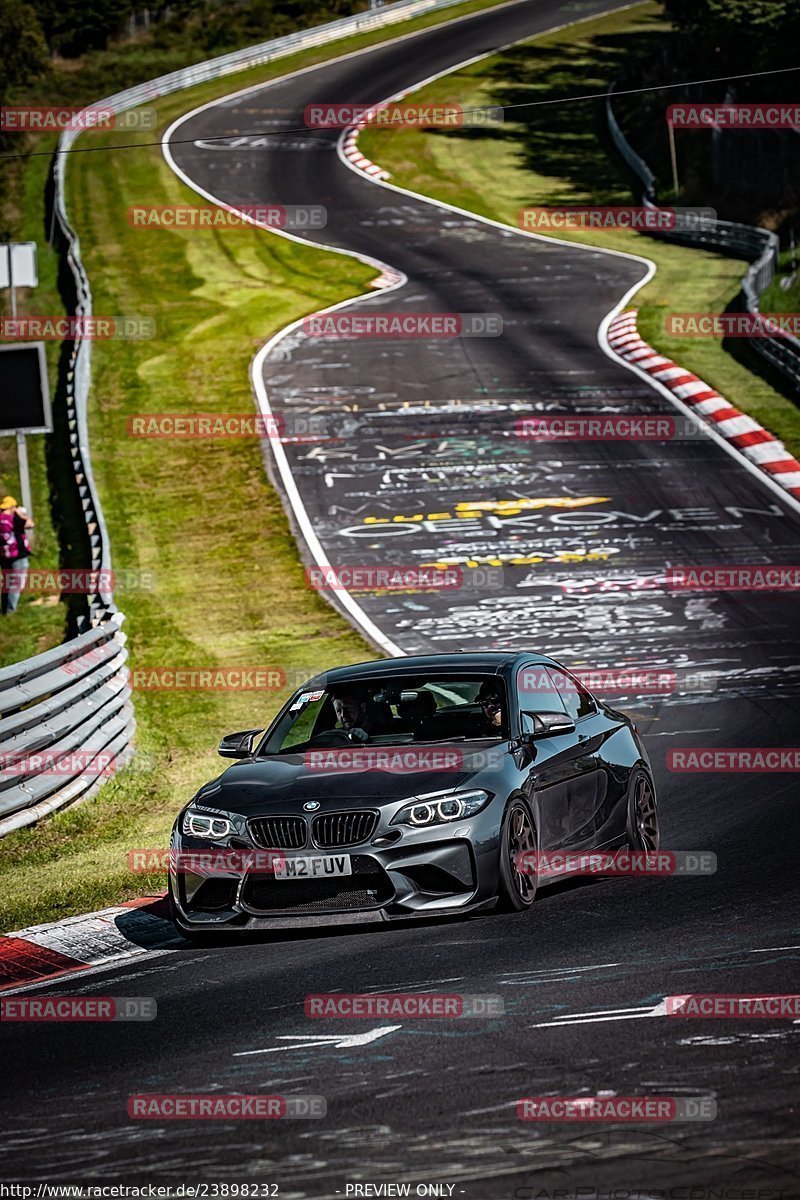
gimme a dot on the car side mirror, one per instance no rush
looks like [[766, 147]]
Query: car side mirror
[[238, 745], [546, 724]]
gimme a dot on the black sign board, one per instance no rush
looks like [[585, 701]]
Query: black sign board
[[24, 393]]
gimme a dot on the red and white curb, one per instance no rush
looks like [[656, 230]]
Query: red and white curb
[[129, 930], [748, 437], [349, 145], [387, 279], [350, 148], [353, 154]]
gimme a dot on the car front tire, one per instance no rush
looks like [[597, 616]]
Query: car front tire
[[517, 889], [643, 828]]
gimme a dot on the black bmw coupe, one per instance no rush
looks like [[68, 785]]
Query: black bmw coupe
[[409, 787]]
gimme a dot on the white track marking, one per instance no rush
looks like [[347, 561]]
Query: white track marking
[[602, 332], [394, 278], [342, 1041], [390, 273], [772, 949], [608, 1014]]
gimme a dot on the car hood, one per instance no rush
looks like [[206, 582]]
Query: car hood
[[255, 787]]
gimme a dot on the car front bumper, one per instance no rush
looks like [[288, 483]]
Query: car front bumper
[[422, 875]]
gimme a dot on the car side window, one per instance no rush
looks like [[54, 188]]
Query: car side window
[[577, 700], [537, 691]]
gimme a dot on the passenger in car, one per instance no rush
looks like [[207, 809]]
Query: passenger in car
[[490, 698]]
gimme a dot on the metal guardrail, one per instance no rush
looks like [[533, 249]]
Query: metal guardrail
[[80, 365], [66, 724], [760, 246], [75, 377], [71, 707], [264, 52]]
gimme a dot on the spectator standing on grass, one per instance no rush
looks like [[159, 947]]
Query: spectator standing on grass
[[14, 551]]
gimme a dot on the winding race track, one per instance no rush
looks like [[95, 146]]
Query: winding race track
[[578, 536]]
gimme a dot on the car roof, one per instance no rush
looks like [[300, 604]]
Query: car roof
[[484, 662]]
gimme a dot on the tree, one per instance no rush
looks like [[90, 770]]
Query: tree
[[24, 55], [74, 26], [741, 35]]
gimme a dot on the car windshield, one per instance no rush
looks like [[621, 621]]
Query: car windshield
[[392, 712]]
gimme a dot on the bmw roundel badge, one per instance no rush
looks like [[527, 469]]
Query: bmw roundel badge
[[311, 806]]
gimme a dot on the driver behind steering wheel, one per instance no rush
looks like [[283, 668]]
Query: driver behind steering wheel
[[353, 712]]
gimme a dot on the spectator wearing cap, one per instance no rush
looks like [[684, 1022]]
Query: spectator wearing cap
[[14, 551]]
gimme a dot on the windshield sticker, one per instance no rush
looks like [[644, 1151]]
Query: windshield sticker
[[305, 698]]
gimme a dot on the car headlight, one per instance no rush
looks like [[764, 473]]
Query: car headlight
[[441, 808], [207, 825]]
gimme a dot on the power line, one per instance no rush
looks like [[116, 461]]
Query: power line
[[279, 133]]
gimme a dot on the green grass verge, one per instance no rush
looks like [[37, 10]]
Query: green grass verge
[[200, 517], [560, 154], [40, 621], [784, 294]]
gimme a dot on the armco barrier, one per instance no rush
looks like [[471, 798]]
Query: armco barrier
[[264, 52], [79, 371], [76, 697], [760, 246], [73, 700], [74, 383]]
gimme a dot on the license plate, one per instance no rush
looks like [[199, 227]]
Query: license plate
[[314, 866]]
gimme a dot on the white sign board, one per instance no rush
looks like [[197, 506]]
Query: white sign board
[[21, 258]]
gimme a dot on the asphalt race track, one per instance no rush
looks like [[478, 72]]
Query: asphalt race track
[[427, 428]]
